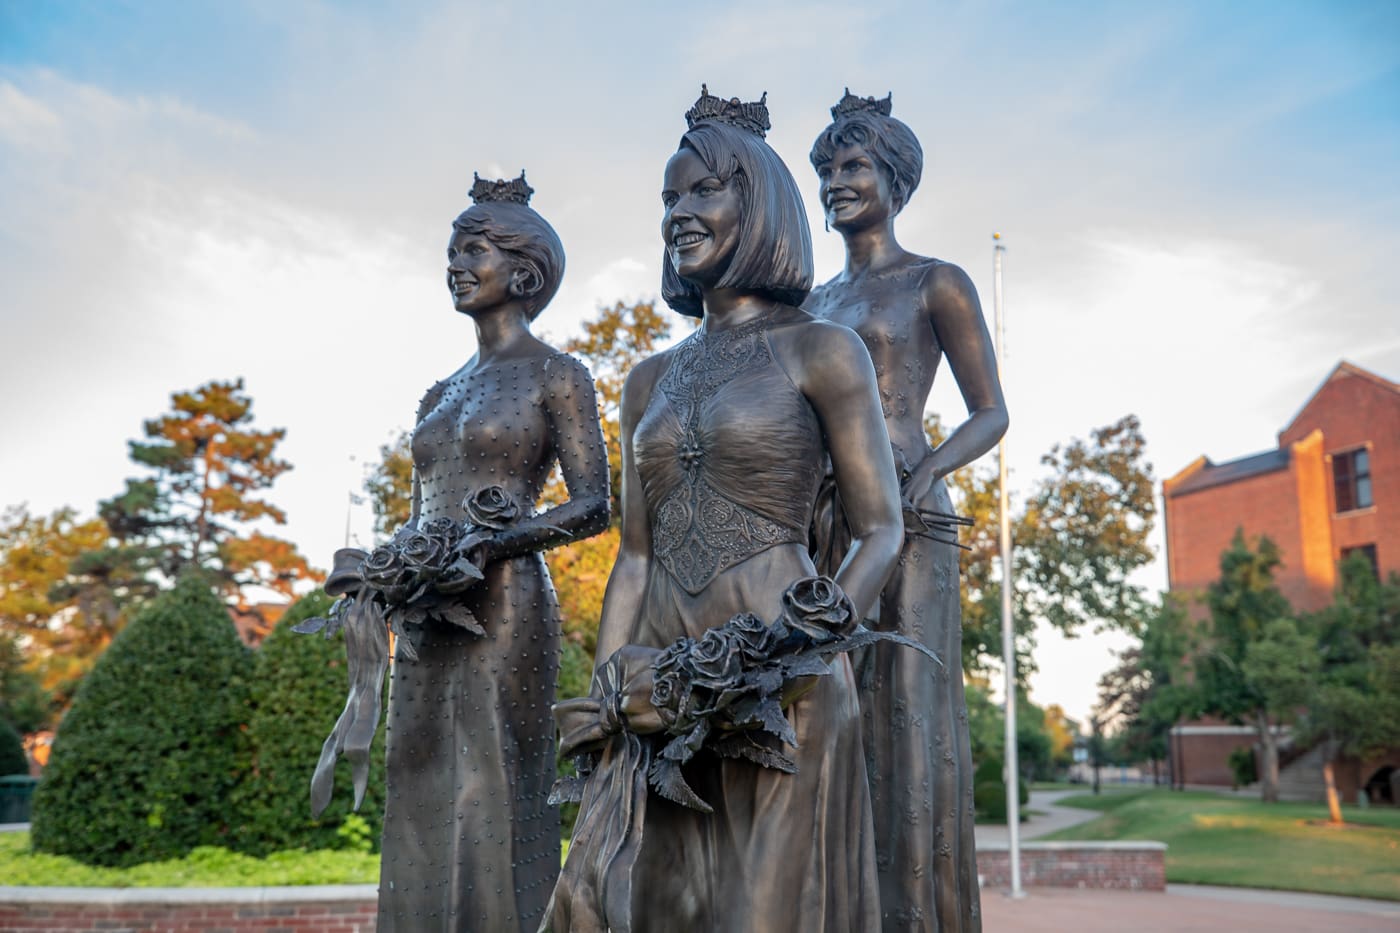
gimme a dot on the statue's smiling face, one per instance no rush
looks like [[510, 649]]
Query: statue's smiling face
[[853, 190], [701, 225], [478, 272]]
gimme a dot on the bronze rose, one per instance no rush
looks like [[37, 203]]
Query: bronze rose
[[383, 570], [753, 636], [425, 555], [717, 661], [819, 609], [491, 507]]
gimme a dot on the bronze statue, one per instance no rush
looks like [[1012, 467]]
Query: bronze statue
[[725, 438], [911, 312], [470, 841]]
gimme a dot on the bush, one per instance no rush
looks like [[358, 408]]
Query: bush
[[12, 757], [1242, 766], [145, 760], [989, 792], [299, 688]]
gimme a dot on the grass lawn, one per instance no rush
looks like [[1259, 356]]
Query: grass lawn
[[1214, 839], [203, 868]]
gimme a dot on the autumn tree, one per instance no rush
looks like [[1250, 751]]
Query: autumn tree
[[210, 467], [390, 486], [59, 621]]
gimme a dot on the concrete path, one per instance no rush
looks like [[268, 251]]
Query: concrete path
[[1046, 817], [1183, 908]]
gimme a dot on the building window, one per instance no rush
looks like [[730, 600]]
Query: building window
[[1351, 478], [1367, 551]]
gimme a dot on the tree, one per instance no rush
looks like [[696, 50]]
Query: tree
[[1254, 651], [1356, 705], [210, 466], [390, 486], [1150, 689], [1079, 537], [60, 625], [144, 762]]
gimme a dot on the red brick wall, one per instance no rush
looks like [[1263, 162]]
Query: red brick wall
[[1204, 758], [1123, 866], [67, 916], [1201, 524], [1355, 410]]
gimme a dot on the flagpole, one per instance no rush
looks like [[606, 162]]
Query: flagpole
[[1008, 642]]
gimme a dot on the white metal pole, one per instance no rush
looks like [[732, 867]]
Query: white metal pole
[[1008, 643]]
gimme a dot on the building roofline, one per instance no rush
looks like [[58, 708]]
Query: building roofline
[[1342, 367], [1209, 475]]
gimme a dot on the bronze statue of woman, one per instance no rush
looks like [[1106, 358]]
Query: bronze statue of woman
[[911, 312], [724, 440], [470, 841]]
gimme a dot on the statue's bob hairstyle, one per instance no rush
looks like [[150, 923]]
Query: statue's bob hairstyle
[[774, 254], [889, 142], [529, 241]]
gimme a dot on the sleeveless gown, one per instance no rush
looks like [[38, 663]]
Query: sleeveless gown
[[730, 457]]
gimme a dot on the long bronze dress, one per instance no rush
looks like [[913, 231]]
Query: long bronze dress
[[470, 842], [914, 714], [730, 455]]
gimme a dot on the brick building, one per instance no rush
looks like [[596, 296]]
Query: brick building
[[1330, 488]]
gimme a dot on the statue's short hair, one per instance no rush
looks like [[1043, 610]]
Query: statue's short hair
[[530, 242], [774, 254], [890, 143]]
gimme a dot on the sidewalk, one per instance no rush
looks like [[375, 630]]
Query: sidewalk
[[1046, 817], [1193, 908]]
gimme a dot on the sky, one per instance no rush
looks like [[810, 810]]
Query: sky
[[1200, 202]]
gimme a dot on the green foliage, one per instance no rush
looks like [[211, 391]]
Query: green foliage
[[299, 688], [144, 762], [1228, 840], [989, 791], [12, 757], [1151, 687], [1079, 537], [1357, 700], [24, 703], [204, 867], [1242, 767]]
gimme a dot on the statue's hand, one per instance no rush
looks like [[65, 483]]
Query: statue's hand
[[920, 481], [637, 712]]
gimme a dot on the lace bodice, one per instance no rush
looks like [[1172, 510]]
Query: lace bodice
[[729, 452]]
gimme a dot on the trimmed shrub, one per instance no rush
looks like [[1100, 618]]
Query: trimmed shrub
[[145, 760], [299, 689], [989, 792], [12, 757]]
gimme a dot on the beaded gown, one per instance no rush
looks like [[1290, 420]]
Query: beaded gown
[[730, 452], [470, 843], [914, 714]]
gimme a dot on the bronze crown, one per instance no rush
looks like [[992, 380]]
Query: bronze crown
[[746, 116], [515, 190], [852, 104]]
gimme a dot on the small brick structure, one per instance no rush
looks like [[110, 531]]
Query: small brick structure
[[327, 909], [1115, 866]]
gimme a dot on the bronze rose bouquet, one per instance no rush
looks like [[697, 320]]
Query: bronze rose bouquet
[[723, 692], [416, 576]]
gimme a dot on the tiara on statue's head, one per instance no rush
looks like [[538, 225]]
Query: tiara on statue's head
[[852, 104], [752, 117], [515, 191]]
